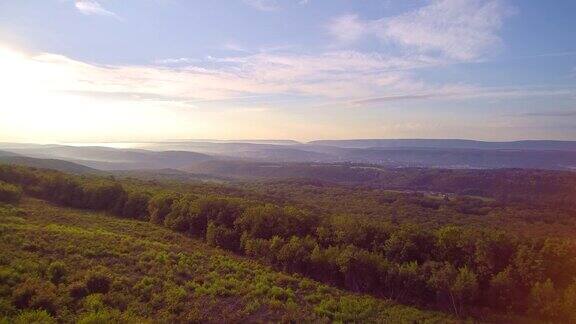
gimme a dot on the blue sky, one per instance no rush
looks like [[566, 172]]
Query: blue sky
[[125, 70]]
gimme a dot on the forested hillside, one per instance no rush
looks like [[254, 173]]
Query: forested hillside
[[526, 186], [431, 251], [72, 266]]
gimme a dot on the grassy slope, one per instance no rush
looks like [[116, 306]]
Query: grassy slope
[[164, 276]]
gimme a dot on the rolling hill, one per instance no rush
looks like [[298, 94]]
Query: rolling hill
[[76, 266], [454, 253], [106, 158], [60, 165], [450, 144], [451, 154]]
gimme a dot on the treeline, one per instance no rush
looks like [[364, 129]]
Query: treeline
[[523, 186], [456, 269]]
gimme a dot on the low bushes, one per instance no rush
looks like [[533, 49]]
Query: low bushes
[[9, 193]]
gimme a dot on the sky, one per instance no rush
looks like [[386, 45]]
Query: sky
[[149, 70]]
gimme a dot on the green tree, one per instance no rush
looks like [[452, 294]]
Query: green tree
[[465, 286], [409, 243], [294, 256], [456, 288], [136, 205], [544, 300], [503, 291], [179, 217], [568, 304], [451, 245], [221, 236], [103, 195], [160, 206], [9, 193], [269, 220]]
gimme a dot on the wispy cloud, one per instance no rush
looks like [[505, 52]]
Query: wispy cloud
[[264, 5], [235, 47], [459, 92], [348, 28], [225, 89], [555, 113], [460, 29], [177, 60], [398, 98], [342, 75], [345, 77], [92, 7], [456, 29]]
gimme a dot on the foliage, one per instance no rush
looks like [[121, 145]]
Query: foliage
[[34, 317], [9, 193], [426, 250], [57, 272], [151, 274]]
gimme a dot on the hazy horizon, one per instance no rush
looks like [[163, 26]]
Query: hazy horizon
[[136, 143]]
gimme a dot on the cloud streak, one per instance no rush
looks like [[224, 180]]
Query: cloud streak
[[459, 92], [92, 7], [346, 77], [349, 28], [263, 5], [559, 113], [461, 30]]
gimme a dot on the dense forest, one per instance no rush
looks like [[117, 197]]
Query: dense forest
[[447, 252], [526, 186]]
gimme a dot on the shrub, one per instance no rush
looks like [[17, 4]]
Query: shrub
[[174, 296], [110, 316], [5, 307], [8, 276], [36, 294], [56, 272], [279, 293], [97, 281], [9, 193], [100, 316], [77, 290], [146, 287], [346, 309], [34, 317], [94, 302]]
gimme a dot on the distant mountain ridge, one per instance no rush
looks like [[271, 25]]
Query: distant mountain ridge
[[54, 164], [106, 158], [449, 143], [425, 153]]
